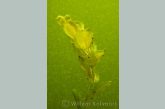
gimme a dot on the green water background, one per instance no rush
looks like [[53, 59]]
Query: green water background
[[64, 71]]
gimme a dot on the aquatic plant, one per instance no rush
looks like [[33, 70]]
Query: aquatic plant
[[88, 55]]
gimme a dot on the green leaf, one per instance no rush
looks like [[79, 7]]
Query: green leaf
[[77, 98], [83, 39], [95, 89], [80, 25], [70, 28]]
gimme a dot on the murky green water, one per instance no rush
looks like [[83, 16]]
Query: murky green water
[[64, 71]]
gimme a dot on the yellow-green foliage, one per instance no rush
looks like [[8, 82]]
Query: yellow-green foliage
[[82, 40]]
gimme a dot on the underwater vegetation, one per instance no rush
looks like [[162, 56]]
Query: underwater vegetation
[[88, 54]]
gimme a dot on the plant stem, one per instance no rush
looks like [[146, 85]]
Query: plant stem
[[86, 97]]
